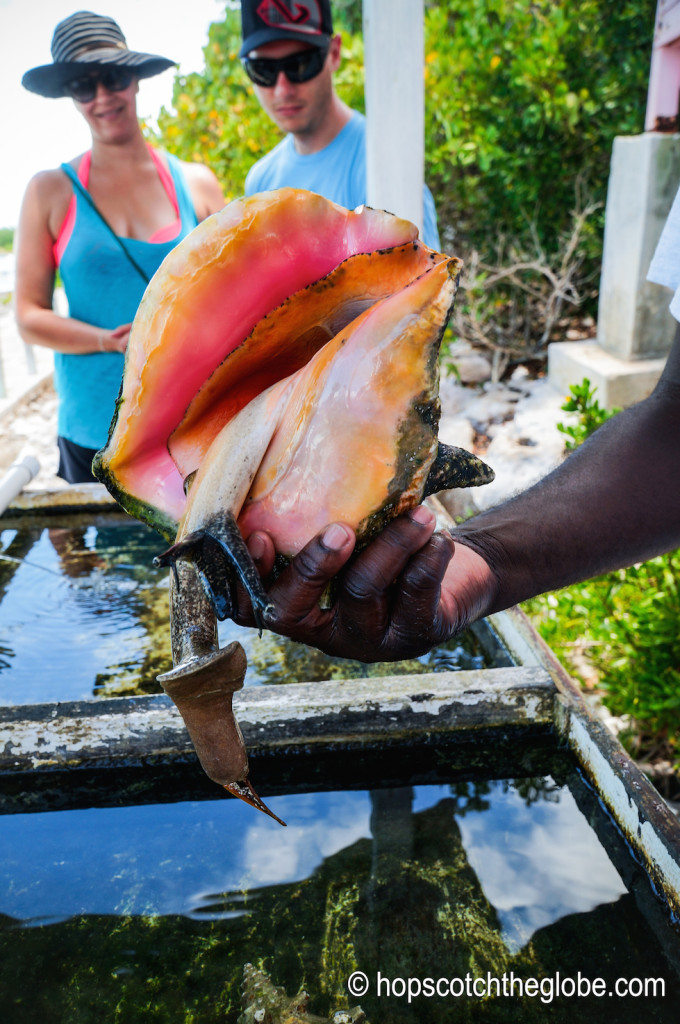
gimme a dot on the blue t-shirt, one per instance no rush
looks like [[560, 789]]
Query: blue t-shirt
[[337, 172]]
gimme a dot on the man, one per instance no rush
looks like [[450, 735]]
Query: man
[[290, 54], [613, 502]]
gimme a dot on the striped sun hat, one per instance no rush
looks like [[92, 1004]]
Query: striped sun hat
[[87, 40]]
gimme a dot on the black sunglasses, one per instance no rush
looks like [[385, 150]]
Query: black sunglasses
[[298, 67], [84, 89]]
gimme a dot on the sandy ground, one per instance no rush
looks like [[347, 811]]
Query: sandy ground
[[28, 404]]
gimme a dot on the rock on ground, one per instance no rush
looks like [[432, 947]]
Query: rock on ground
[[511, 425]]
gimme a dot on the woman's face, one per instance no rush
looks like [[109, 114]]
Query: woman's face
[[111, 115]]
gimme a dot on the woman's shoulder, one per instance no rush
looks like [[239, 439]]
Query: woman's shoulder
[[48, 195], [44, 183], [205, 189], [52, 184]]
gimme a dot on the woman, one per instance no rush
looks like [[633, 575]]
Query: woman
[[106, 220]]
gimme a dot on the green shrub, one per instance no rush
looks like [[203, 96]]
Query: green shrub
[[591, 415], [523, 103], [622, 626], [625, 625]]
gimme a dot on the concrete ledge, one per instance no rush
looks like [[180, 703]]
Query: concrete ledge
[[619, 382], [125, 732], [642, 815], [66, 499]]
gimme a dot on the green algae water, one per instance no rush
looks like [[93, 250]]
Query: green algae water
[[84, 613], [511, 894], [483, 885]]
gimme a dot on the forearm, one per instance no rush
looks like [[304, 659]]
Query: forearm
[[614, 501], [44, 327], [36, 270]]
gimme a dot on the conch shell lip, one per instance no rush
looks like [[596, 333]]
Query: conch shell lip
[[261, 248]]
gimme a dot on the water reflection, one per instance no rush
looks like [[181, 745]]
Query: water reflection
[[535, 861], [540, 863], [482, 877], [80, 614], [84, 613]]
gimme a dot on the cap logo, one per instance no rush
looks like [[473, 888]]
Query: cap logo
[[287, 14]]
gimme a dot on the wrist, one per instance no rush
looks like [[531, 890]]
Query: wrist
[[101, 338], [471, 583]]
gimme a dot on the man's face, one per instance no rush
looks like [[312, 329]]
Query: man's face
[[302, 108]]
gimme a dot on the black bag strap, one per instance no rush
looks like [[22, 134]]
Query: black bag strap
[[77, 184]]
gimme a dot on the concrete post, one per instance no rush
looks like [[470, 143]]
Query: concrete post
[[633, 320], [635, 330], [395, 102]]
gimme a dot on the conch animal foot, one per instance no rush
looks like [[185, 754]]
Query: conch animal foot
[[218, 553], [202, 689]]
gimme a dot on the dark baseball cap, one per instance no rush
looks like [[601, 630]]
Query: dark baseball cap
[[305, 21]]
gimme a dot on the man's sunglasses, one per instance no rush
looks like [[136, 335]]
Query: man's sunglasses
[[84, 89], [299, 67]]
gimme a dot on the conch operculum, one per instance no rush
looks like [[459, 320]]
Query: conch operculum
[[282, 373]]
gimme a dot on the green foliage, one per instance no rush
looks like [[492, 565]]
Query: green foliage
[[6, 239], [523, 102], [591, 414], [219, 121], [624, 624], [347, 16]]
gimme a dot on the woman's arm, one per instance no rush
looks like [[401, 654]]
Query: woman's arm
[[43, 210]]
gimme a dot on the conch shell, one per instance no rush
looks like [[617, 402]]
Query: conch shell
[[282, 373]]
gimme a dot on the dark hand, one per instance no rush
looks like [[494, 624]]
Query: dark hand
[[405, 593]]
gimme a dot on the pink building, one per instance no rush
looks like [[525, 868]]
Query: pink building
[[663, 98]]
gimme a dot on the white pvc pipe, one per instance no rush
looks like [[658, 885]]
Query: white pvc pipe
[[15, 479], [395, 106]]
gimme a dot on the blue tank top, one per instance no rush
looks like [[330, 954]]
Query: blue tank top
[[103, 288]]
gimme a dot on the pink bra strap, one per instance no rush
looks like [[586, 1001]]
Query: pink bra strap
[[69, 220], [165, 234], [166, 178]]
